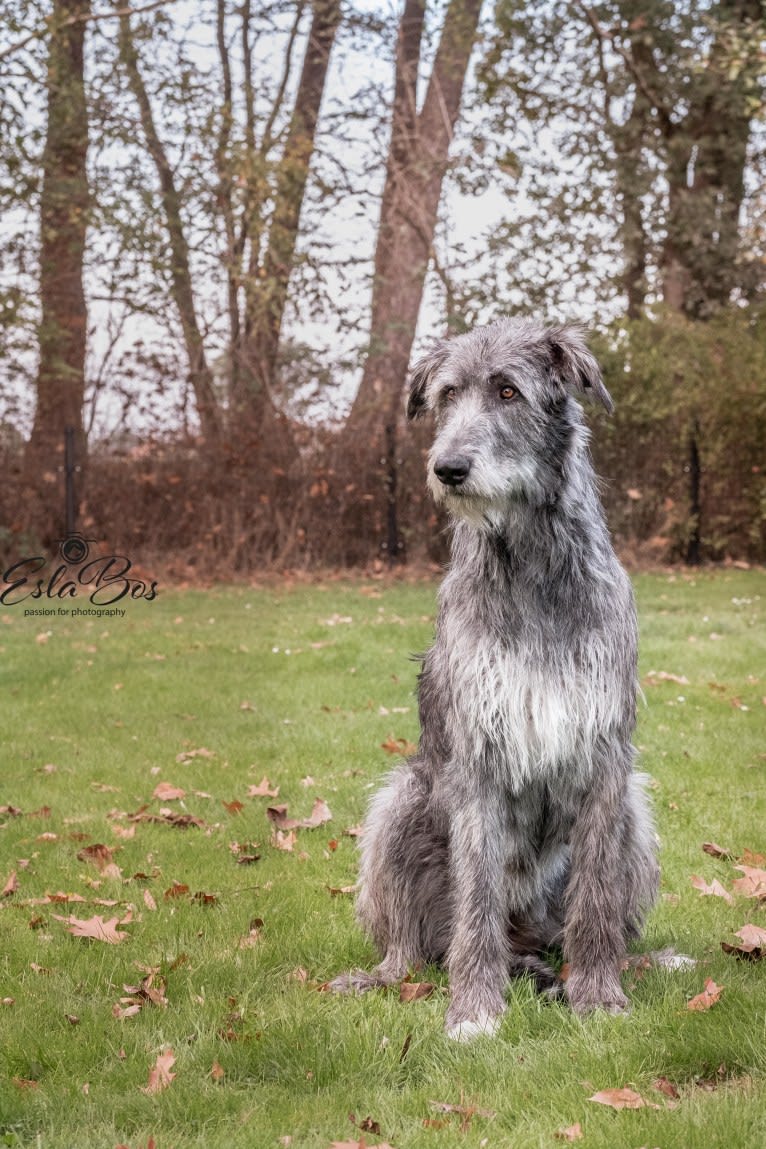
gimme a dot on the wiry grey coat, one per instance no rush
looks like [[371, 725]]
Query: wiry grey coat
[[520, 824]]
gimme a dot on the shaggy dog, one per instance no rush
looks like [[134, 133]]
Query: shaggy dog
[[520, 824]]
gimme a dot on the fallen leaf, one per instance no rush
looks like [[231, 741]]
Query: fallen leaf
[[11, 811], [204, 899], [234, 807], [11, 886], [217, 1072], [753, 945], [320, 813], [571, 1133], [717, 851], [177, 890], [753, 885], [399, 746], [655, 676], [709, 996], [714, 889], [360, 1144], [264, 789], [182, 821], [160, 1076], [341, 891], [167, 792], [95, 929], [751, 936], [666, 1087], [750, 858], [619, 1098], [284, 841], [188, 755], [101, 856], [149, 901], [415, 990]]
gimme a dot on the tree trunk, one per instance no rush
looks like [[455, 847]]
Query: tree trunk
[[417, 162], [63, 222], [200, 375], [267, 282]]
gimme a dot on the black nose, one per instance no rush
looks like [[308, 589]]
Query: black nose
[[452, 470]]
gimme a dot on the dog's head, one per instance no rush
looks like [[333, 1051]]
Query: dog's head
[[506, 417]]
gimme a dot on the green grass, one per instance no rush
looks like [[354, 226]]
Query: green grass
[[112, 702]]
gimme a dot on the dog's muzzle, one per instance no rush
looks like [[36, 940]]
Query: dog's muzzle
[[452, 470]]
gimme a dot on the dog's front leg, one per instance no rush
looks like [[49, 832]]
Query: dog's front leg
[[478, 953], [594, 931]]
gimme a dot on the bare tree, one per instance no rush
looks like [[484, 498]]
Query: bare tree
[[418, 157], [60, 384]]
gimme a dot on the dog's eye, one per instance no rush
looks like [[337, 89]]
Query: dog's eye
[[508, 392], [449, 394]]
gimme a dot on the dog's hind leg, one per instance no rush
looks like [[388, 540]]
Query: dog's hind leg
[[404, 901]]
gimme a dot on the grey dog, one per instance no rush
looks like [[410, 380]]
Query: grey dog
[[520, 825]]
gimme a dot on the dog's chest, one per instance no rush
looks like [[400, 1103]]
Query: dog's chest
[[527, 711]]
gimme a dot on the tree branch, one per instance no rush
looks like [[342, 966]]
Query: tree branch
[[82, 18]]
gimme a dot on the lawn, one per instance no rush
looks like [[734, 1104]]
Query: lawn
[[222, 938]]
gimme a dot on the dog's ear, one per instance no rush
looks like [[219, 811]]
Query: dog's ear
[[576, 367], [422, 373]]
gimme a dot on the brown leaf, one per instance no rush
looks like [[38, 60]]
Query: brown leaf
[[707, 998], [753, 945], [95, 929], [177, 890], [753, 885], [667, 1087], [204, 899], [655, 676], [619, 1098], [360, 1144], [234, 807], [11, 811], [167, 792], [750, 858], [11, 886], [714, 889], [284, 841], [187, 755], [571, 1133], [217, 1072], [320, 813], [264, 789], [415, 990], [400, 746], [341, 891], [751, 936], [149, 901], [717, 851], [160, 1076]]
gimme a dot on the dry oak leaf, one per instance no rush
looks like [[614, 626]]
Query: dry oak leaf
[[95, 929], [753, 945], [666, 1087], [714, 889], [750, 858], [716, 851], [655, 676], [619, 1098], [571, 1133], [753, 885], [167, 792], [707, 998], [160, 1076], [320, 813], [264, 789]]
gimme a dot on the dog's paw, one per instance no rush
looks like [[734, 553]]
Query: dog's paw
[[355, 981], [586, 995], [485, 1025]]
